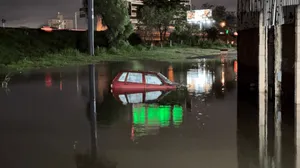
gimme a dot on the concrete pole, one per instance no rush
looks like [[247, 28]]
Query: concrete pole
[[262, 55], [262, 83], [278, 133], [278, 61], [91, 26], [297, 85], [297, 135], [263, 140], [297, 58], [75, 20], [277, 109]]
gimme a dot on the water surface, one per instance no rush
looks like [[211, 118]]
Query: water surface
[[45, 119]]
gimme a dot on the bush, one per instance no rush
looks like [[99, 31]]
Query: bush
[[135, 39], [140, 48], [100, 50], [113, 50]]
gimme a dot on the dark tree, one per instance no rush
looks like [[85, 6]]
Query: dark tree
[[212, 33], [219, 13], [207, 6], [231, 20], [160, 14], [115, 16]]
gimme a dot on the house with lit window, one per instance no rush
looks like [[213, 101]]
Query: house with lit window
[[60, 23]]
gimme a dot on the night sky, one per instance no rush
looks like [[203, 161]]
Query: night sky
[[33, 13]]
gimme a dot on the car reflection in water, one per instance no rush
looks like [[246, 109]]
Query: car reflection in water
[[148, 119], [148, 115], [144, 91]]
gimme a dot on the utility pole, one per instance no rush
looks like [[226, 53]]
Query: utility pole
[[92, 80], [3, 23], [91, 26], [75, 20]]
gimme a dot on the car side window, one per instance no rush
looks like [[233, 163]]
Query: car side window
[[123, 99], [135, 98], [152, 95], [135, 77], [152, 80], [122, 77]]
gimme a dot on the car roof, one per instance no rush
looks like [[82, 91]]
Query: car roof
[[150, 72]]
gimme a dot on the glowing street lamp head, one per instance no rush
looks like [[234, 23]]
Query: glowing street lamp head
[[223, 24]]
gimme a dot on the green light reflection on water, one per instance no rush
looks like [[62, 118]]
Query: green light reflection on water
[[177, 115], [157, 115]]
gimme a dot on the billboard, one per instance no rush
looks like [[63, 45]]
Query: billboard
[[199, 15]]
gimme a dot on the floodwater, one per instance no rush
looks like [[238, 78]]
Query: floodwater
[[45, 121]]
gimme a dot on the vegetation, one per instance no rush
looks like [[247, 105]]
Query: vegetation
[[159, 15], [114, 14], [34, 48], [74, 57], [30, 44]]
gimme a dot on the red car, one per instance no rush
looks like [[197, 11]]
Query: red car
[[139, 81]]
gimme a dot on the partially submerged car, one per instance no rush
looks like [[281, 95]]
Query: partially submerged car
[[140, 81]]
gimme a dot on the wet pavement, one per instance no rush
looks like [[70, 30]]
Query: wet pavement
[[45, 120]]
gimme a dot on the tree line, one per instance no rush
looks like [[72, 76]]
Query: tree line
[[154, 15]]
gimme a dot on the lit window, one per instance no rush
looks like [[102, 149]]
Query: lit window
[[153, 95], [135, 98]]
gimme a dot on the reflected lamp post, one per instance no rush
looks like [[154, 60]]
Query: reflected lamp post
[[93, 112]]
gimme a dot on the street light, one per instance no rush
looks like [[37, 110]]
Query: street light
[[223, 24], [3, 22]]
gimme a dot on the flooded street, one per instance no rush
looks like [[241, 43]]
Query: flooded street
[[45, 120]]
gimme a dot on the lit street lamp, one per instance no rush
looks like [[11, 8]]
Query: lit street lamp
[[223, 24]]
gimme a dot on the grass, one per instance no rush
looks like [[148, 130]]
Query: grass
[[73, 57]]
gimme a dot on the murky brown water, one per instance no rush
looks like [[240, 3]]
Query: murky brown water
[[45, 122]]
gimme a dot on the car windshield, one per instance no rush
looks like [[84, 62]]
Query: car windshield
[[165, 79]]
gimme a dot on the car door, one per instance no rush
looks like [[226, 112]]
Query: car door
[[153, 82], [134, 82]]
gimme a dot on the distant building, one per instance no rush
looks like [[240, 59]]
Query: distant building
[[60, 23], [133, 5], [132, 9]]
